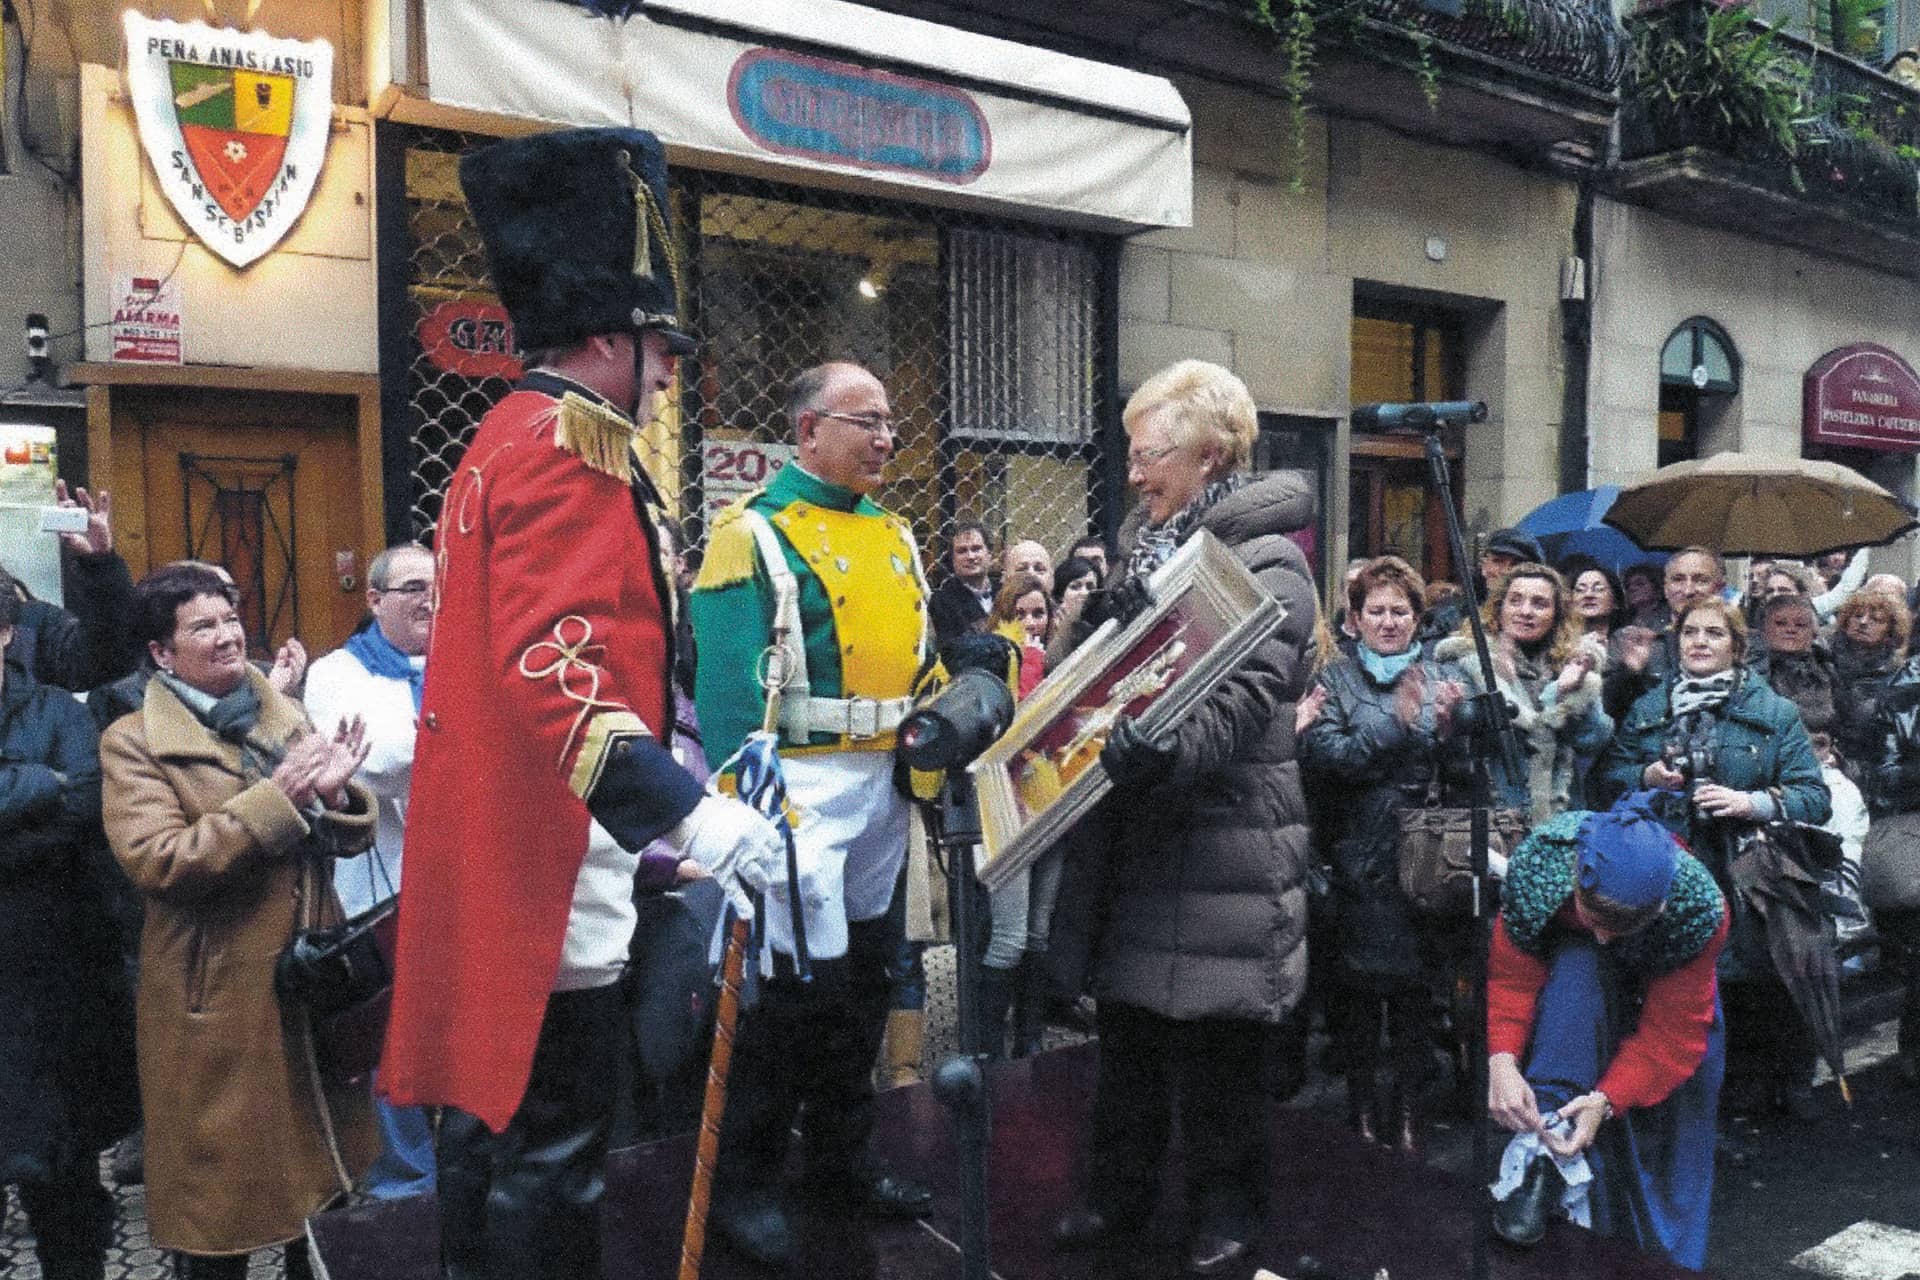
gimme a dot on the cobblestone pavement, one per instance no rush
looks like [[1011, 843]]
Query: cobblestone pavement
[[1751, 1238]]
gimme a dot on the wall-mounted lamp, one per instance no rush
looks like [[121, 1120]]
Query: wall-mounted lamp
[[875, 281]]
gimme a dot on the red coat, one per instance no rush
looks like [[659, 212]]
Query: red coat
[[550, 639]]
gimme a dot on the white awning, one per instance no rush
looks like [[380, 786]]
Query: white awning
[[821, 91]]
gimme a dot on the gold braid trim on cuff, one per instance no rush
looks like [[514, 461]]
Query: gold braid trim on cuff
[[607, 733]]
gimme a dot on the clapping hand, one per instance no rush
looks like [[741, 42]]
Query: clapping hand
[[1574, 672], [289, 667], [1307, 710], [1636, 648], [98, 539], [300, 764], [346, 752]]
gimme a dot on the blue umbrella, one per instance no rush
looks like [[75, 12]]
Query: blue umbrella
[[1570, 525]]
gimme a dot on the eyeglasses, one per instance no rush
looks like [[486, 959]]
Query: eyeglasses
[[1145, 457], [408, 589], [874, 424]]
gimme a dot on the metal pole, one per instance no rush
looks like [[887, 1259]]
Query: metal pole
[[1496, 735], [960, 1082]]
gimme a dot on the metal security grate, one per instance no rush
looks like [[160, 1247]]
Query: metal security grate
[[987, 335]]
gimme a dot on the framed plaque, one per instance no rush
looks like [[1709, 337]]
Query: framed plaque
[[1044, 773]]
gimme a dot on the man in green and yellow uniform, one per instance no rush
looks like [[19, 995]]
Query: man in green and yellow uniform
[[812, 558]]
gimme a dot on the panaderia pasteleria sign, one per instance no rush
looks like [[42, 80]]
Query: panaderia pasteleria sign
[[235, 125]]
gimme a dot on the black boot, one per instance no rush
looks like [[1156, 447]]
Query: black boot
[[1029, 1007], [996, 995], [1521, 1218], [1363, 1111]]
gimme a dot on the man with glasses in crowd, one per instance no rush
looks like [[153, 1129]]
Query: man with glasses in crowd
[[378, 675], [1648, 657], [813, 552]]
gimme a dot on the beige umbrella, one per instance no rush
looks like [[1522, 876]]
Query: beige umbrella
[[1740, 504]]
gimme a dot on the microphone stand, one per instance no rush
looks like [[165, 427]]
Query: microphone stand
[[960, 1081], [1493, 734]]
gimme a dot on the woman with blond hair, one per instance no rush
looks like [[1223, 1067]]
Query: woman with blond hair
[[1187, 885], [1868, 643], [1547, 672]]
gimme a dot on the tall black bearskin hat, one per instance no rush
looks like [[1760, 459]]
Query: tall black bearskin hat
[[578, 234]]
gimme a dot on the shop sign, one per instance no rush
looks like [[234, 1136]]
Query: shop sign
[[1863, 396], [146, 323], [235, 125], [472, 339], [732, 469], [843, 113]]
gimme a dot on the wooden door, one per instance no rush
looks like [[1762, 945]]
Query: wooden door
[[267, 484]]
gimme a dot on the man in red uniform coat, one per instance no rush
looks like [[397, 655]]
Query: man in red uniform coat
[[541, 768]]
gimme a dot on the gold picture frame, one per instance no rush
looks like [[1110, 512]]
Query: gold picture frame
[[1044, 772]]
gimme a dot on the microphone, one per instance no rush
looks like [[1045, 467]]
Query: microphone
[[1417, 417], [971, 712]]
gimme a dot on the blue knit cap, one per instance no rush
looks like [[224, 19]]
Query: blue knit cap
[[1627, 856]]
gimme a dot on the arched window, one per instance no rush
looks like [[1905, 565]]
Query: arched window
[[1699, 374]]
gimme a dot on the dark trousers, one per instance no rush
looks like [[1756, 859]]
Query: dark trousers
[[806, 1051], [1404, 1012], [524, 1204], [1900, 947], [1210, 1071], [1769, 1048], [72, 1219], [189, 1266]]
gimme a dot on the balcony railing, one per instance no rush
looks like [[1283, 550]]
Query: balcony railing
[[1782, 113], [1577, 40]]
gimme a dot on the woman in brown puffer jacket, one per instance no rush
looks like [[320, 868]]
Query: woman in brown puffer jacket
[[1190, 895]]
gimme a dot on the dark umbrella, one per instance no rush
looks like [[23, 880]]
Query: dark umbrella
[[1786, 897], [1573, 525]]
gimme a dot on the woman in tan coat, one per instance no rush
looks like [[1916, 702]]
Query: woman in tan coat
[[225, 808]]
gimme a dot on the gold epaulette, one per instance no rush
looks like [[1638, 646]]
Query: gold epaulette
[[731, 553], [599, 436]]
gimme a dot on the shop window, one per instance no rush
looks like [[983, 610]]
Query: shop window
[[987, 334], [1402, 353], [1699, 376]]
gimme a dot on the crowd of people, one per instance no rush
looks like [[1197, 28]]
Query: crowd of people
[[529, 714]]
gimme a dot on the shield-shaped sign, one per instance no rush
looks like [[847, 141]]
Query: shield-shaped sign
[[235, 125]]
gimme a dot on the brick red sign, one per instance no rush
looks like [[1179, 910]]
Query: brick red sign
[[473, 339], [1863, 396]]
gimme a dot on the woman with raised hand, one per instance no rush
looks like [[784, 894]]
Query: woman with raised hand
[[226, 808]]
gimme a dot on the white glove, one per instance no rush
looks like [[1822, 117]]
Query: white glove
[[738, 847]]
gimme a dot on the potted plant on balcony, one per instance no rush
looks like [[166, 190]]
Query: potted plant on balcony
[[1706, 75]]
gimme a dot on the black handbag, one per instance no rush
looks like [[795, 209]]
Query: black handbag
[[341, 977]]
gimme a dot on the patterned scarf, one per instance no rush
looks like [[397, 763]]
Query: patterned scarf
[[1692, 694], [1155, 544]]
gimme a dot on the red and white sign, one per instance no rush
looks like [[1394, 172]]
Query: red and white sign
[[1864, 397], [731, 469], [472, 339], [146, 321]]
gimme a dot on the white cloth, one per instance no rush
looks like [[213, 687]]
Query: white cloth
[[601, 923], [850, 843], [339, 688], [1849, 822], [1575, 1174]]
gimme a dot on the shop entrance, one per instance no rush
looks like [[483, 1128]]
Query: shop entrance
[[1402, 352], [268, 484]]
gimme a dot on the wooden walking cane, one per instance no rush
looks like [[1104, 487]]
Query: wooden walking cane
[[706, 1153]]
